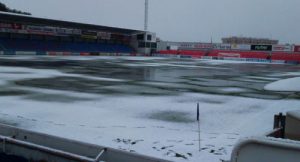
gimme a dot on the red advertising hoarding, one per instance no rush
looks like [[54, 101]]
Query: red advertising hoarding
[[194, 46]]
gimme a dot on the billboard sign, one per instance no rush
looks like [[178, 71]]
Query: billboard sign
[[49, 30], [76, 31], [61, 32], [35, 29], [203, 45], [11, 26], [186, 46], [282, 48], [173, 47], [4, 25], [89, 34], [297, 48], [193, 46], [261, 47], [222, 46], [241, 47], [104, 35], [17, 26]]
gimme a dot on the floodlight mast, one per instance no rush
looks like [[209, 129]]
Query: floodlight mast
[[146, 15]]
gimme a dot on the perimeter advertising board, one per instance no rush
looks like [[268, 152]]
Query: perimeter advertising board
[[245, 47], [194, 46], [185, 46], [4, 25], [11, 26], [89, 34], [261, 47], [104, 35], [203, 46], [282, 48], [297, 48], [34, 29], [222, 46]]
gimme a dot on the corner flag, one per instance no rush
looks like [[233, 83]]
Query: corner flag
[[198, 113]]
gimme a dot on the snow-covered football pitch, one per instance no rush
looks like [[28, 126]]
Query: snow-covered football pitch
[[146, 105]]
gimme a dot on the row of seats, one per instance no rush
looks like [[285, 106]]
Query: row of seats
[[37, 45]]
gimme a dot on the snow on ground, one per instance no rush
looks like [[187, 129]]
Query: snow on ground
[[233, 90], [121, 122], [14, 73], [163, 126], [287, 85]]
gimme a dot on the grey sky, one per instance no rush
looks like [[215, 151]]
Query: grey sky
[[180, 20]]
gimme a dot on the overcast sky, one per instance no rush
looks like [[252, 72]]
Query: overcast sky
[[180, 20]]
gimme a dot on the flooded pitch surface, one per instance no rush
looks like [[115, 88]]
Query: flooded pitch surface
[[144, 105]]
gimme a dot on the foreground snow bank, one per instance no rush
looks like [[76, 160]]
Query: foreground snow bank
[[285, 85]]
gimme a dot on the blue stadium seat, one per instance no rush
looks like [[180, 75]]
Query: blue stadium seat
[[54, 46]]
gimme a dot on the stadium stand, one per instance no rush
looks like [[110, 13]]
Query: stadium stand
[[27, 35]]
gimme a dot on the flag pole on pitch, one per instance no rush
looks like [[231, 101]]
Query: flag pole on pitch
[[198, 116]]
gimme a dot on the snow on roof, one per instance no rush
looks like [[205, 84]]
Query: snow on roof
[[285, 85], [16, 14]]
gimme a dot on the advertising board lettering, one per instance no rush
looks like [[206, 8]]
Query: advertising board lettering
[[203, 46], [222, 46], [186, 45], [4, 25], [89, 33], [285, 48], [261, 47], [103, 35], [76, 31], [16, 26]]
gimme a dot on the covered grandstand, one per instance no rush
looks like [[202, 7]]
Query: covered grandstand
[[33, 35]]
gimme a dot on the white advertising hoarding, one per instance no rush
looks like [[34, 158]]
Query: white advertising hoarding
[[282, 48], [246, 47], [222, 46]]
